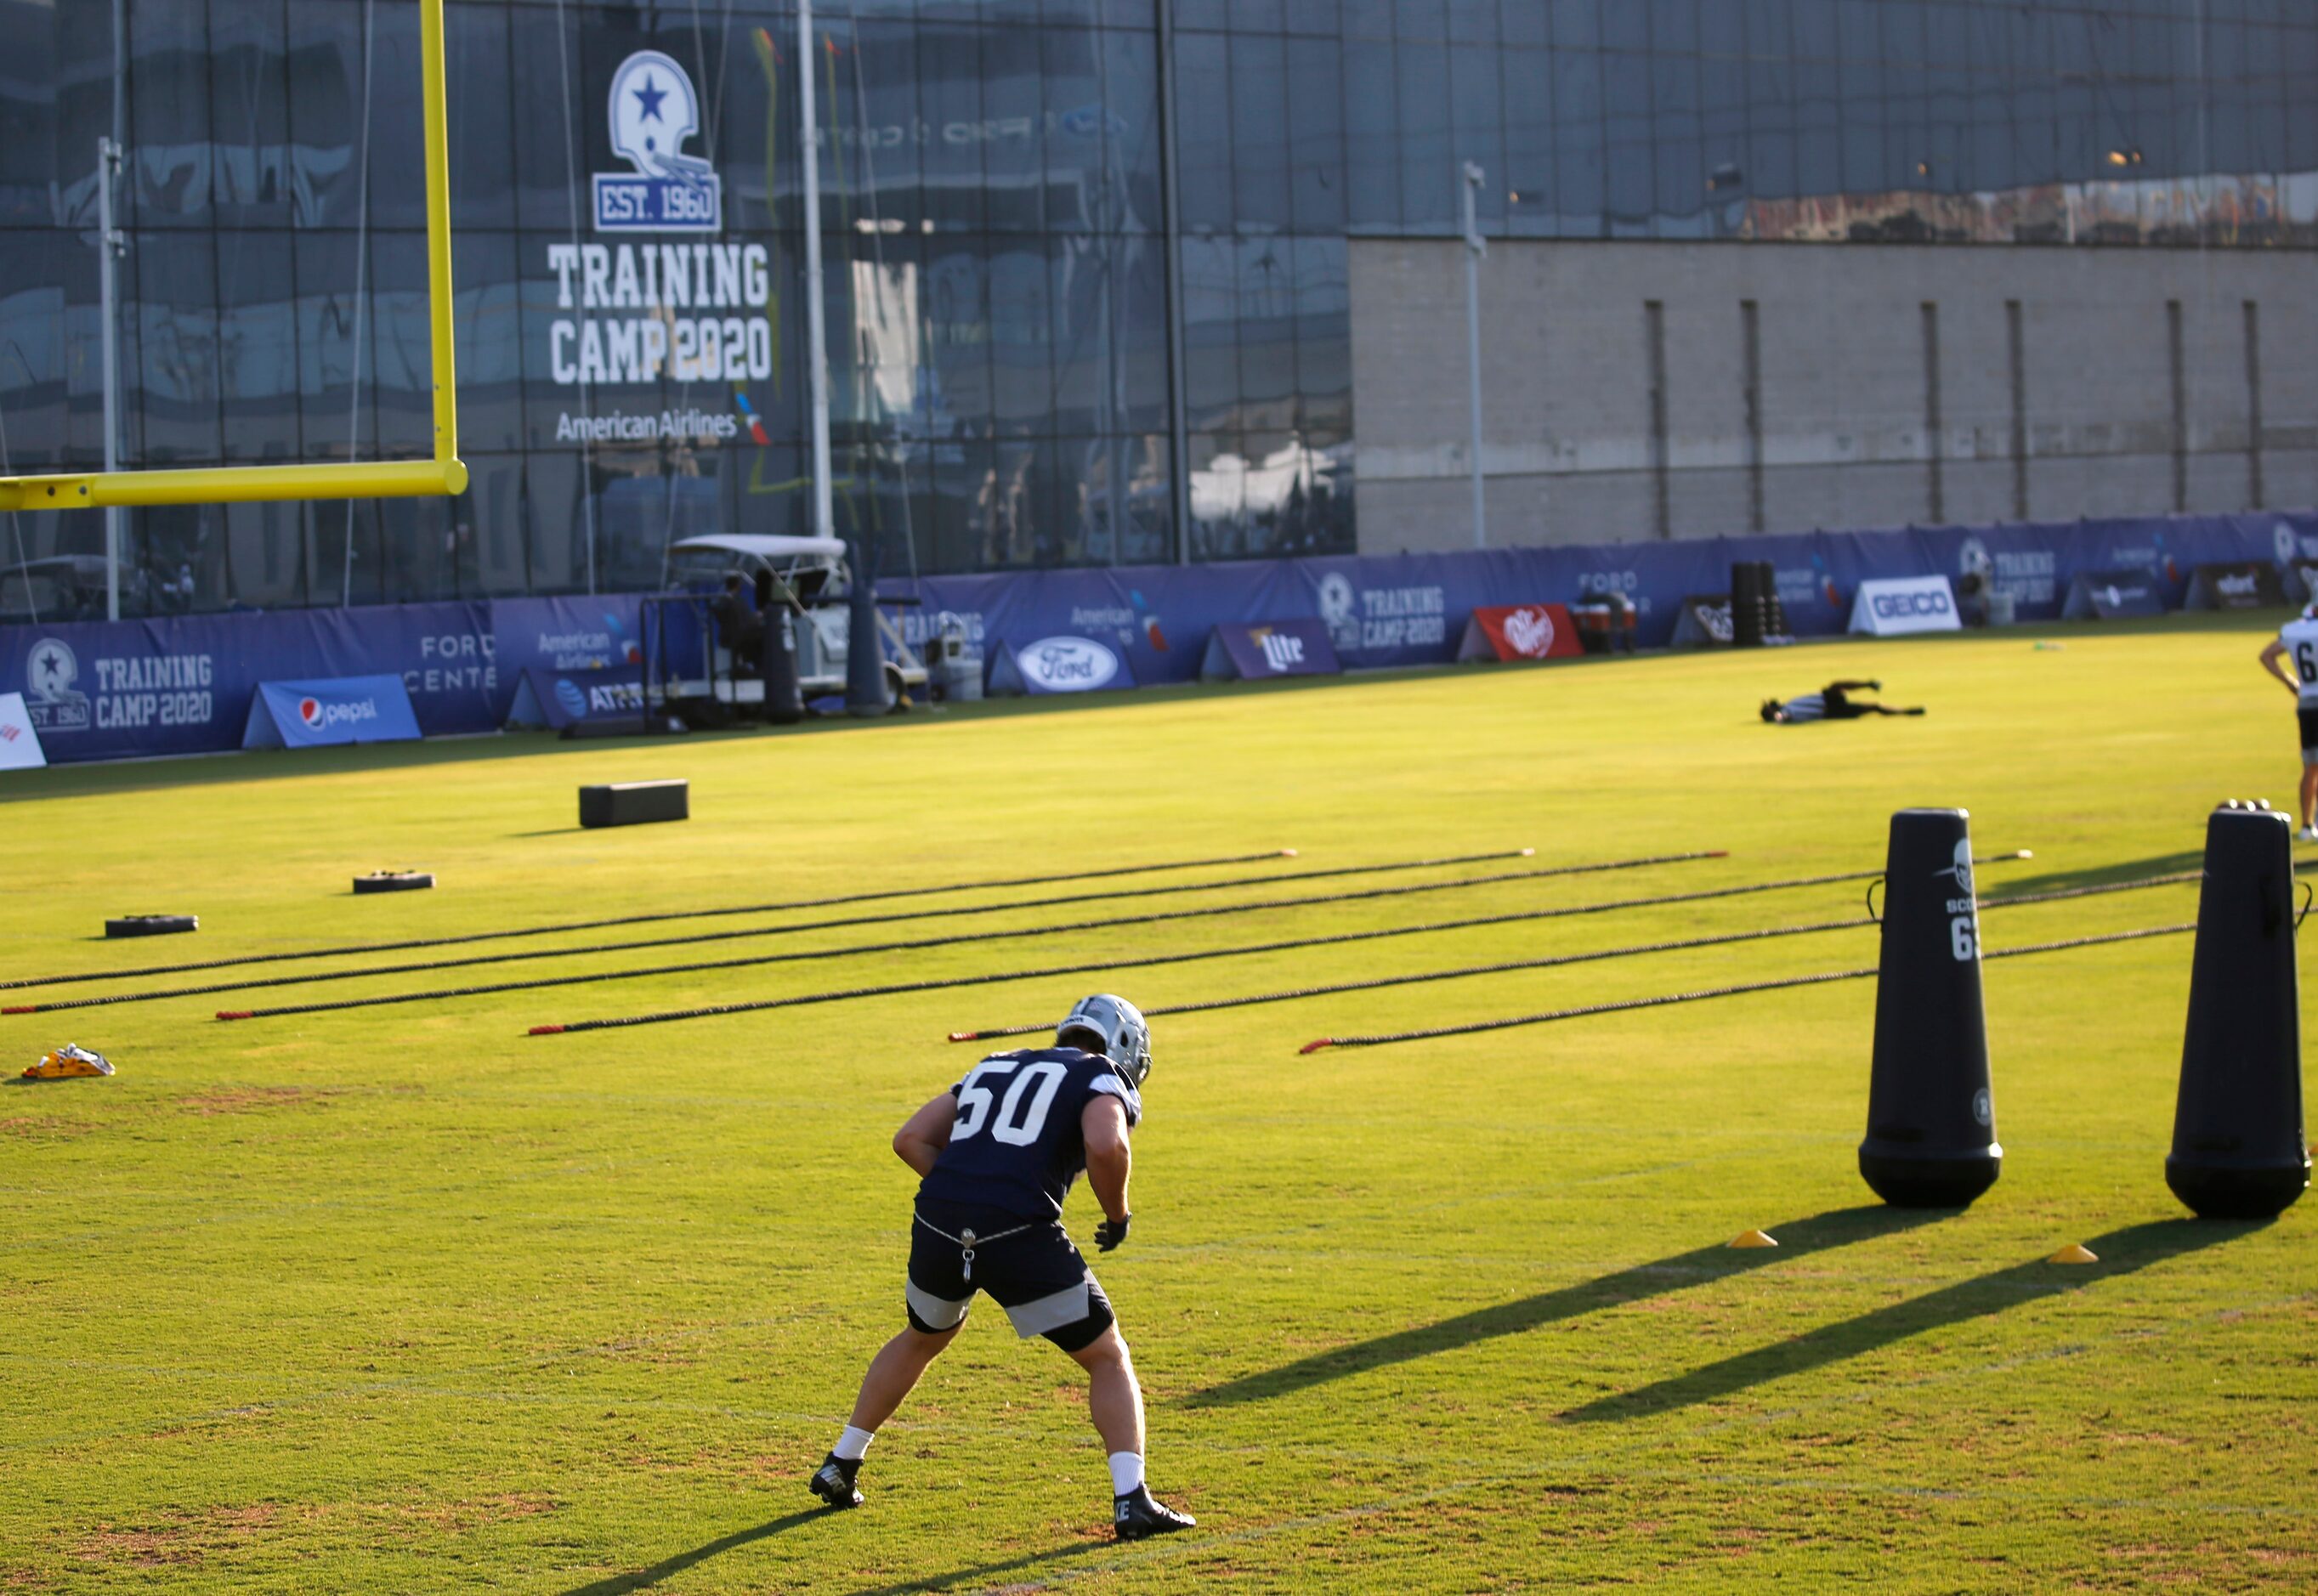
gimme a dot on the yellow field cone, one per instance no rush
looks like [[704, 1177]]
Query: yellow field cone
[[2074, 1252], [1754, 1238]]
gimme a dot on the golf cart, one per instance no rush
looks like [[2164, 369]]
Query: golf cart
[[808, 575]]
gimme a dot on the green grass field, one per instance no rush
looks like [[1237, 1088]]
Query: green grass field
[[400, 1299]]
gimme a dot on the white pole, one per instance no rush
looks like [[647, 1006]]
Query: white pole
[[816, 335], [1475, 247], [109, 244]]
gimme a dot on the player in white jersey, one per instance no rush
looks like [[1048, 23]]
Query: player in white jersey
[[1834, 702], [2297, 641]]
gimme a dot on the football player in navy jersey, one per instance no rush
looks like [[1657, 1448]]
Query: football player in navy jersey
[[995, 1155]]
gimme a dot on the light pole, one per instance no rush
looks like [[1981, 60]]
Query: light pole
[[1475, 247], [816, 335], [110, 244]]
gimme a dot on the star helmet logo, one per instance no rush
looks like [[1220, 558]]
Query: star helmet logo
[[1337, 603], [654, 112], [51, 669], [1961, 868]]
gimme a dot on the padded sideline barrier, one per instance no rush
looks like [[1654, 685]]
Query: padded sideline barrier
[[99, 690]]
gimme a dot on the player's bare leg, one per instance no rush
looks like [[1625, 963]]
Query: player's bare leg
[[1114, 1398], [1114, 1402], [892, 1374], [2309, 793]]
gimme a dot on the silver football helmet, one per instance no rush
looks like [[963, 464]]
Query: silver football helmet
[[1113, 1028], [654, 112]]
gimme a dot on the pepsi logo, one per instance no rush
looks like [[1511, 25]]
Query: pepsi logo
[[309, 710]]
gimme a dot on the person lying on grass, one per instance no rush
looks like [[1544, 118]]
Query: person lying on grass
[[1833, 702]]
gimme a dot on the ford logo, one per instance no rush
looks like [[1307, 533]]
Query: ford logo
[[1067, 664]]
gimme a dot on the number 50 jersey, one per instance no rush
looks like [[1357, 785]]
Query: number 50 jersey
[[1017, 1145]]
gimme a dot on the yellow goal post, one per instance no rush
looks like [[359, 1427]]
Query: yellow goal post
[[445, 474]]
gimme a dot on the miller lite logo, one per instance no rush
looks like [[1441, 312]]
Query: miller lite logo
[[1282, 651]]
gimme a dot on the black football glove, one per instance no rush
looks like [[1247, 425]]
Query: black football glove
[[1110, 1232]]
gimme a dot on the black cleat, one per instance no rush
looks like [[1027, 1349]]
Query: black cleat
[[1138, 1516], [833, 1482]]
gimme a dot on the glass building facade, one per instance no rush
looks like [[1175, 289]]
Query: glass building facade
[[1087, 274]]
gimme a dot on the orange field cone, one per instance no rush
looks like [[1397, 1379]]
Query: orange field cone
[[2074, 1252], [1754, 1238]]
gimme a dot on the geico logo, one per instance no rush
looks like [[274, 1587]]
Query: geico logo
[[1894, 606]]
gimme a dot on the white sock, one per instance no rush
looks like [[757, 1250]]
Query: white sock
[[1126, 1472], [853, 1443]]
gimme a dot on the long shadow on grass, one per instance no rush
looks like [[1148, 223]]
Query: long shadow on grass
[[1997, 889], [644, 1579], [1703, 1265], [977, 1574], [2121, 1252]]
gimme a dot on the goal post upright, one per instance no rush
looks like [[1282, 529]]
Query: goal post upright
[[443, 474]]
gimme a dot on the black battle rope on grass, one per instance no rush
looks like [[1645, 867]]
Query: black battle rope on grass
[[761, 1004], [917, 943], [309, 977], [992, 1034], [755, 1005], [1821, 979], [638, 919], [1549, 962]]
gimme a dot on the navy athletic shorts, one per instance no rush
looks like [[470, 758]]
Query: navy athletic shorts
[[1036, 1274], [2308, 715]]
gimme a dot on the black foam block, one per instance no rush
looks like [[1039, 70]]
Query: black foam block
[[150, 925], [394, 881], [635, 804]]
